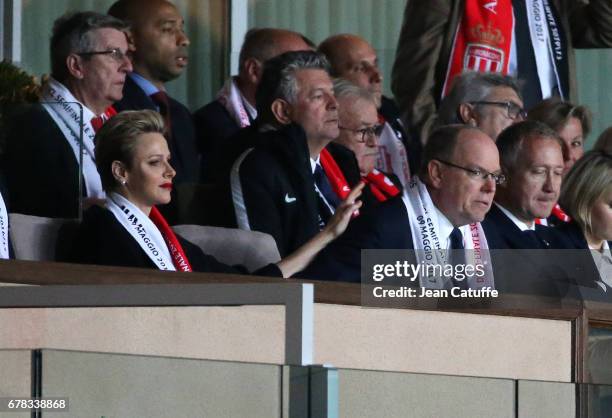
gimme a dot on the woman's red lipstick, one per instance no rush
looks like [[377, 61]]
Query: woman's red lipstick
[[167, 186]]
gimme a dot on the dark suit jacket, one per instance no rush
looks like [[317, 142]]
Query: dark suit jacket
[[496, 223], [214, 128], [42, 173], [102, 240], [182, 145]]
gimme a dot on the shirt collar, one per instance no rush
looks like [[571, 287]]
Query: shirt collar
[[314, 163], [148, 87], [519, 224], [444, 226]]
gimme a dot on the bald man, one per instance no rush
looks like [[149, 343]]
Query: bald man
[[159, 55], [234, 106], [354, 59]]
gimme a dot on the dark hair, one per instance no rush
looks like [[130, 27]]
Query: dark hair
[[278, 80], [556, 113], [510, 141], [116, 141], [441, 145], [72, 34]]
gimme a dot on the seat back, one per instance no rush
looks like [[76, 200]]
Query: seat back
[[40, 239], [232, 246]]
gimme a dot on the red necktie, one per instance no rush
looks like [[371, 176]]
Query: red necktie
[[161, 100]]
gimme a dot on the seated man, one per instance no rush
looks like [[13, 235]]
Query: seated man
[[532, 159], [441, 209], [283, 186], [234, 106], [359, 134], [354, 59], [489, 101], [88, 68]]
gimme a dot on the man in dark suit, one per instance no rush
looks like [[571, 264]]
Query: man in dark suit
[[456, 183], [234, 107], [160, 55], [354, 59], [532, 159], [49, 163], [283, 186]]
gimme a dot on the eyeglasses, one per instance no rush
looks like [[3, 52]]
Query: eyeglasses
[[114, 53], [478, 173], [513, 110], [370, 132]]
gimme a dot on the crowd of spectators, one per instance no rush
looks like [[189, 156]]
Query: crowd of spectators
[[302, 145]]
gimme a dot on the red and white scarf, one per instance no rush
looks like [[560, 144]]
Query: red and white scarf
[[558, 213], [236, 105], [485, 36], [4, 230], [380, 185], [392, 155], [152, 233], [425, 228]]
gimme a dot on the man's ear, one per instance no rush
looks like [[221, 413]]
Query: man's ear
[[120, 172], [467, 114], [253, 69], [74, 64], [434, 174], [282, 111]]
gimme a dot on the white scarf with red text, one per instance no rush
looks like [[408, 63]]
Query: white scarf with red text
[[65, 110], [142, 229], [424, 225], [4, 230]]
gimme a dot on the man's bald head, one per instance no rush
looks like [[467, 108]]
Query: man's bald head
[[353, 58]]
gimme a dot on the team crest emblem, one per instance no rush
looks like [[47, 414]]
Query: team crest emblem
[[483, 58]]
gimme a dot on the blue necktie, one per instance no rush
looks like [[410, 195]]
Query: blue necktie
[[457, 254], [326, 190]]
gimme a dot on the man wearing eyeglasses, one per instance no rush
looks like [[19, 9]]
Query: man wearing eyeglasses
[[354, 59], [53, 146], [489, 101], [532, 159], [360, 130], [440, 210], [159, 53]]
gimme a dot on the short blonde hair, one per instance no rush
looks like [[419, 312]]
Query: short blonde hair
[[116, 141], [584, 185]]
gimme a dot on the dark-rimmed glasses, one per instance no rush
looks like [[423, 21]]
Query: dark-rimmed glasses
[[477, 173], [512, 109], [370, 132], [114, 53]]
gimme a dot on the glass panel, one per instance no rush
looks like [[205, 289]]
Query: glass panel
[[115, 385], [378, 22], [205, 24], [365, 393]]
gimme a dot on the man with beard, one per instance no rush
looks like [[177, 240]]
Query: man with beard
[[160, 55]]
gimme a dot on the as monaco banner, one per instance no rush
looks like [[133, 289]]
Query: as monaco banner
[[482, 41]]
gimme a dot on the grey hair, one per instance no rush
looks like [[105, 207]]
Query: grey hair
[[344, 88], [278, 80], [471, 87], [72, 34]]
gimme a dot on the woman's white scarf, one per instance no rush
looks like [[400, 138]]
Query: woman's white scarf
[[65, 110], [424, 225], [142, 229], [231, 99]]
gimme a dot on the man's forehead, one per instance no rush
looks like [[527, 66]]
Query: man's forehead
[[160, 13], [476, 148], [313, 78], [504, 93], [108, 37]]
